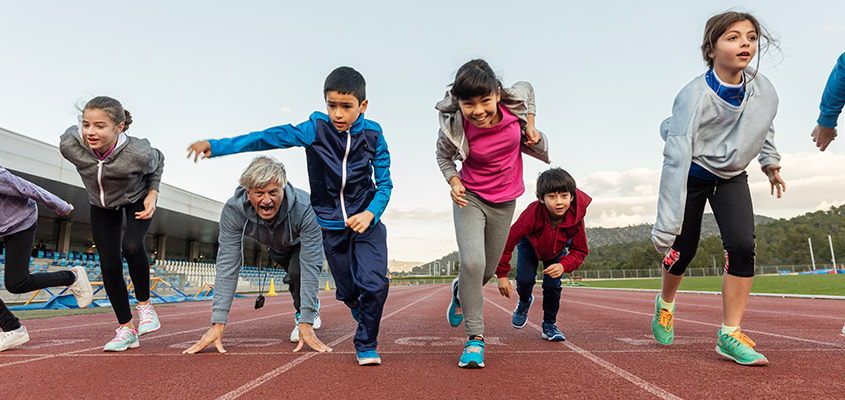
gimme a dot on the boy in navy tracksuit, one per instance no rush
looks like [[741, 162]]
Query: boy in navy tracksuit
[[344, 150], [550, 230]]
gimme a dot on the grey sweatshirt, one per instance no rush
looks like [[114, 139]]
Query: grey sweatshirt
[[451, 139], [17, 203], [125, 176], [716, 135], [295, 224]]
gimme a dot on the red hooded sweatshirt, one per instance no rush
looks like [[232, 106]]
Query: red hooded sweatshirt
[[548, 240]]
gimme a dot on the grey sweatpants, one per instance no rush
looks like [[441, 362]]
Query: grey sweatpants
[[481, 229]]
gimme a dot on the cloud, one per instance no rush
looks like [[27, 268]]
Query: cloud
[[814, 181]]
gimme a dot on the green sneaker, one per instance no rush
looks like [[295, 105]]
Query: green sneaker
[[739, 348], [661, 324]]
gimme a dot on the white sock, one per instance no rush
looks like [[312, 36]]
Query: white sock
[[727, 330], [663, 304], [75, 276], [20, 330]]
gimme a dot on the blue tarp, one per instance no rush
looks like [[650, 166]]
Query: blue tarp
[[67, 301], [822, 272]]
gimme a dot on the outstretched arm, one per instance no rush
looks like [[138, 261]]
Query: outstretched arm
[[833, 99], [277, 137], [11, 185]]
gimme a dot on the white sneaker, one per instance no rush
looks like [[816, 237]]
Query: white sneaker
[[318, 322], [294, 334], [13, 338], [81, 288], [124, 338], [843, 329]]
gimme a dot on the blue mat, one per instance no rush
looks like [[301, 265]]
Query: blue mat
[[67, 301]]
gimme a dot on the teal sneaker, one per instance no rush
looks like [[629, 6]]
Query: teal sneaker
[[454, 313], [369, 357], [661, 324], [739, 348], [124, 338], [149, 319], [473, 356]]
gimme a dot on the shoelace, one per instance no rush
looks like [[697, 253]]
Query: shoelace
[[665, 319], [458, 311], [121, 334], [146, 312], [740, 337]]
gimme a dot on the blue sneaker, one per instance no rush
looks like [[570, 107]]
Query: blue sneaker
[[454, 313], [520, 314], [369, 357], [551, 333], [473, 356], [356, 313]]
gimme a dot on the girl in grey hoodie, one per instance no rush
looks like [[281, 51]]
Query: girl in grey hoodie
[[121, 174], [18, 216], [720, 122]]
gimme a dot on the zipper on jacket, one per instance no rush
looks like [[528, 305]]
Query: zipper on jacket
[[343, 176], [100, 181]]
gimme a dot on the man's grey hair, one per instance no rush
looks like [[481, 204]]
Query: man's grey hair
[[262, 171]]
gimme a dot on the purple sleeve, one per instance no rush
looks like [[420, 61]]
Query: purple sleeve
[[11, 185]]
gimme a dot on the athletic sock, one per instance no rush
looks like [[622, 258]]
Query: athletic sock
[[19, 330], [75, 276], [727, 330], [663, 304]]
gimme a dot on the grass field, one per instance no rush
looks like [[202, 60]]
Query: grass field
[[831, 285]]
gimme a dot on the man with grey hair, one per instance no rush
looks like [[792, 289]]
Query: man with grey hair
[[270, 210]]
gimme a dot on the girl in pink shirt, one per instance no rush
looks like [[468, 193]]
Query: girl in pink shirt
[[497, 124]]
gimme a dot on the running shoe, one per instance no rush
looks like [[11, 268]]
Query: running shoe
[[473, 355], [318, 322], [520, 313], [454, 313], [294, 334], [81, 288], [124, 338], [551, 333], [661, 324], [13, 338], [369, 357], [149, 319], [739, 348]]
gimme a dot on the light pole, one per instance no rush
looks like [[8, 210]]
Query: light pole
[[811, 253], [832, 256]]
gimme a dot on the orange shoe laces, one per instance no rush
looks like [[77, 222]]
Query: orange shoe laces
[[740, 337], [665, 319]]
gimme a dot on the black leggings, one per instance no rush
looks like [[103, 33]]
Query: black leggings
[[731, 204], [19, 280], [105, 228]]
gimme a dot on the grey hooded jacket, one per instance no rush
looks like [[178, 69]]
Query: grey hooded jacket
[[17, 203], [716, 135], [295, 224], [125, 176], [451, 139]]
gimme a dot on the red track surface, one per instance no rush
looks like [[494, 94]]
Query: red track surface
[[609, 352]]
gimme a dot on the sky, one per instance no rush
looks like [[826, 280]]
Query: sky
[[605, 75]]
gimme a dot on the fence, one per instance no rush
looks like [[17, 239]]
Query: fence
[[655, 272]]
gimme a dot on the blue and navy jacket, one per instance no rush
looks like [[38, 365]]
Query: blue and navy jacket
[[341, 165]]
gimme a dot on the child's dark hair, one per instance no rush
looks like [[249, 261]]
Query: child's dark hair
[[553, 181], [346, 80], [718, 24], [476, 78], [112, 108]]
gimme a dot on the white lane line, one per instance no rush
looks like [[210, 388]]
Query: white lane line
[[278, 371], [637, 381], [422, 352], [818, 342]]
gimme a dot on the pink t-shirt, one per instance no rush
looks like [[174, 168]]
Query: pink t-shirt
[[493, 169]]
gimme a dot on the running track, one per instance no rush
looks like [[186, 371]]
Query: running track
[[609, 352]]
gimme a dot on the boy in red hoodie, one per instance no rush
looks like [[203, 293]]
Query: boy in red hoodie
[[551, 230]]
